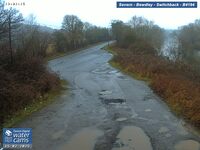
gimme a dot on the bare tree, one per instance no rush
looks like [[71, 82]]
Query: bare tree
[[3, 20], [117, 29], [14, 20], [73, 27]]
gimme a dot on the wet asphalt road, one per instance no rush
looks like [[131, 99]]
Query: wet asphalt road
[[104, 109]]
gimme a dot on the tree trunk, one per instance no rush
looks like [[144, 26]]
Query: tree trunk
[[10, 40]]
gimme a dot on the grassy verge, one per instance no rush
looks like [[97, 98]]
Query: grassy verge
[[117, 65], [47, 99], [135, 75], [177, 83], [61, 54]]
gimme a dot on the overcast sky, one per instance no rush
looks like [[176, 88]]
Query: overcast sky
[[101, 12]]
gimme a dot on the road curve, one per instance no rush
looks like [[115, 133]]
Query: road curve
[[104, 109]]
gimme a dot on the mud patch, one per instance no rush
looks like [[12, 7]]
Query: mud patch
[[132, 138], [187, 145], [113, 101], [83, 140]]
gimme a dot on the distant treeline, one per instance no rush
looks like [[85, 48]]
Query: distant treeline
[[21, 37], [75, 34], [189, 43], [138, 34]]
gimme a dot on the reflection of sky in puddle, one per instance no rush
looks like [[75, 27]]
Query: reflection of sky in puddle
[[83, 140], [131, 137], [187, 145], [170, 47]]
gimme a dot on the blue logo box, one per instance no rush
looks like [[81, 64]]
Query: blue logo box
[[17, 138]]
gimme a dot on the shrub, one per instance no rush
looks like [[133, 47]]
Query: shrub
[[22, 84]]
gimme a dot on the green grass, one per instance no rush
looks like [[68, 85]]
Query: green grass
[[47, 99], [109, 49], [132, 74]]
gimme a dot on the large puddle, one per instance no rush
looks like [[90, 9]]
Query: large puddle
[[132, 138], [187, 145], [83, 140]]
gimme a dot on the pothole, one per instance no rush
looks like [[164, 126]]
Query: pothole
[[121, 77], [187, 145], [113, 101], [84, 140], [132, 138]]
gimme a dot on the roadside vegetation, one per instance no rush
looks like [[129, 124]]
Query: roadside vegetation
[[177, 81], [26, 83]]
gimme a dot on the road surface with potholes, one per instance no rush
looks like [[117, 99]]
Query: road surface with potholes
[[104, 109]]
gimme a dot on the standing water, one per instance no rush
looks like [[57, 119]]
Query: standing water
[[170, 46], [83, 140], [132, 138]]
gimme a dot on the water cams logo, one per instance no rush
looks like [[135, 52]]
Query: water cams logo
[[17, 138], [8, 133]]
